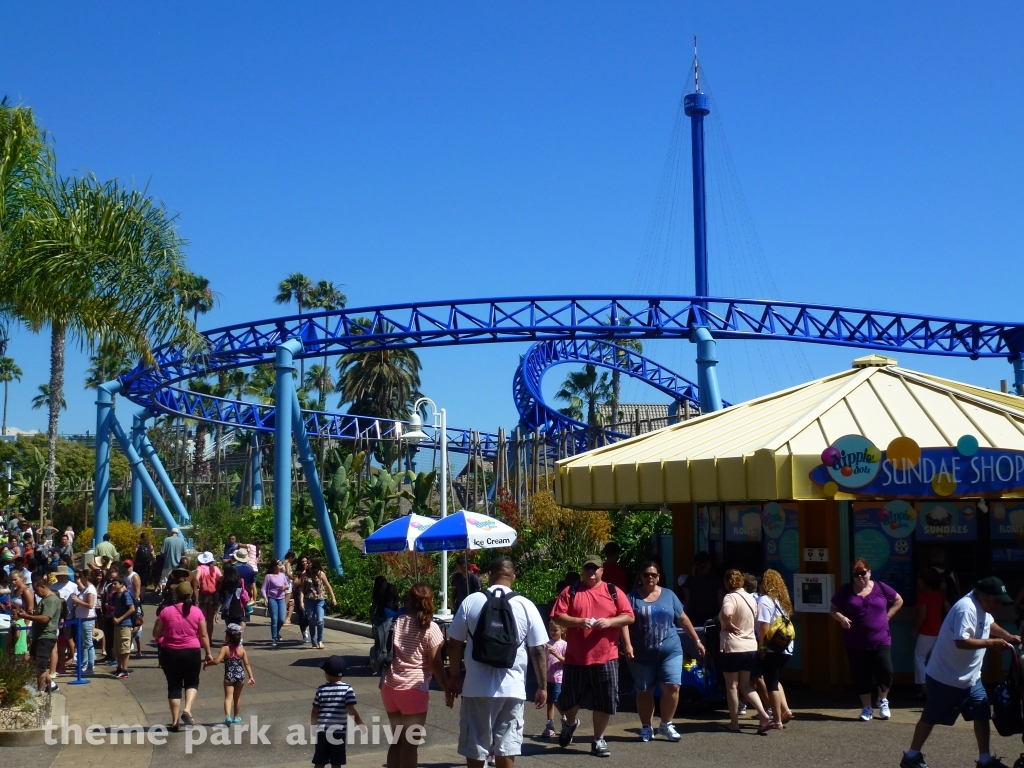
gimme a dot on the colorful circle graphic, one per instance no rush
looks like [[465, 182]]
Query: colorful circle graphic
[[854, 462], [903, 453]]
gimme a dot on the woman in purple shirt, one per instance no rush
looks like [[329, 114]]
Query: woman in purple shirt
[[276, 585], [863, 609]]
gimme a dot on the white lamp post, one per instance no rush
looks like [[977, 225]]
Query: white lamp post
[[414, 436]]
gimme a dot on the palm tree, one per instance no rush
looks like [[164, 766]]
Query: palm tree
[[319, 380], [585, 389], [324, 295], [202, 387], [42, 400], [9, 371], [625, 346], [95, 260], [382, 383], [109, 362], [262, 383], [296, 287], [195, 295]]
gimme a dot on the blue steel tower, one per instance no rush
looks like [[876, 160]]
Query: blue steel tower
[[696, 105]]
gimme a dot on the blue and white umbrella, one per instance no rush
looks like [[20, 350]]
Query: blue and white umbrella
[[466, 530], [397, 536]]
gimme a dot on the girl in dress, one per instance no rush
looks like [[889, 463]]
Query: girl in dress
[[236, 668]]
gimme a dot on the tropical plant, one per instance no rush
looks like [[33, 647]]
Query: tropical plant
[[94, 260], [261, 383], [296, 287], [9, 371], [318, 379], [195, 295], [42, 400], [623, 347], [109, 362], [381, 494], [26, 167], [422, 487], [584, 391], [343, 492], [383, 383]]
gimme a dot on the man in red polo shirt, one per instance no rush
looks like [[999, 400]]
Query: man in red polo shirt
[[593, 612]]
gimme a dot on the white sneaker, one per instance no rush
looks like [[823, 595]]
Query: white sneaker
[[883, 709], [668, 730], [866, 714], [646, 733], [742, 710]]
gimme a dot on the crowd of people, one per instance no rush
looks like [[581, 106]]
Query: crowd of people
[[574, 648]]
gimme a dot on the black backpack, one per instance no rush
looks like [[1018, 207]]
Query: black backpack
[[496, 637], [232, 611], [1006, 701], [383, 651]]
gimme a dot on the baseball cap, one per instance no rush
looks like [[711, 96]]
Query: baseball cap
[[184, 589], [993, 585], [129, 563], [334, 666], [593, 560]]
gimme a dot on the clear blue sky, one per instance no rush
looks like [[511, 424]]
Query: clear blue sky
[[430, 151]]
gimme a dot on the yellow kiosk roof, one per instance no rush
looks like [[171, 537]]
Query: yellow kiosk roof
[[764, 449]]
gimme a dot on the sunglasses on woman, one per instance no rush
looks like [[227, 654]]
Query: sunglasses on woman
[[860, 574], [651, 575]]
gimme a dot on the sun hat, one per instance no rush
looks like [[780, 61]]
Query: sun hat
[[205, 558], [241, 556], [62, 570]]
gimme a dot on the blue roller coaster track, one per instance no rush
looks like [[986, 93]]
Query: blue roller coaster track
[[564, 329]]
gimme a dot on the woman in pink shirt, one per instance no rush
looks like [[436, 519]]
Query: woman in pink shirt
[[406, 685], [276, 586], [180, 629]]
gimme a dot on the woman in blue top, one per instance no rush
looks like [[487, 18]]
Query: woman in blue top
[[653, 650]]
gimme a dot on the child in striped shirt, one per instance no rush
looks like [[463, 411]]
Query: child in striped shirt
[[333, 702]]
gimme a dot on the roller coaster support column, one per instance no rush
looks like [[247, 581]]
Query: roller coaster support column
[[1018, 375], [150, 455], [256, 470], [138, 433], [707, 379], [284, 394], [696, 105], [139, 469], [316, 493], [101, 477]]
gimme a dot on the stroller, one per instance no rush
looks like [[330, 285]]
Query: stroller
[[1007, 706], [699, 690]]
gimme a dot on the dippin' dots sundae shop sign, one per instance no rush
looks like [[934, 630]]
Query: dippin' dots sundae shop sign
[[853, 465]]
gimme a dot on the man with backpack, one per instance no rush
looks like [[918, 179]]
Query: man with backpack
[[500, 629], [953, 672], [206, 583], [594, 612]]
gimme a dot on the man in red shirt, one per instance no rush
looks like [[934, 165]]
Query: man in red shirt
[[613, 572], [593, 612]]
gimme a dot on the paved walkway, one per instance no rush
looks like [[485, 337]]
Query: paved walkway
[[823, 733]]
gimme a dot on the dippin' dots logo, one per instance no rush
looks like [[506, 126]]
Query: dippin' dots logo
[[852, 461]]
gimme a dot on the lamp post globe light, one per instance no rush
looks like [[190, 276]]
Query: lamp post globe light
[[414, 436]]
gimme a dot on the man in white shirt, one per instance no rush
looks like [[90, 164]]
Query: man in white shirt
[[953, 674], [64, 588], [493, 697]]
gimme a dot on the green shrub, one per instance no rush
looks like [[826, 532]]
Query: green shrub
[[15, 676]]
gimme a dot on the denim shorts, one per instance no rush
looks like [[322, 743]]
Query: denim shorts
[[554, 691], [661, 668], [945, 703]]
